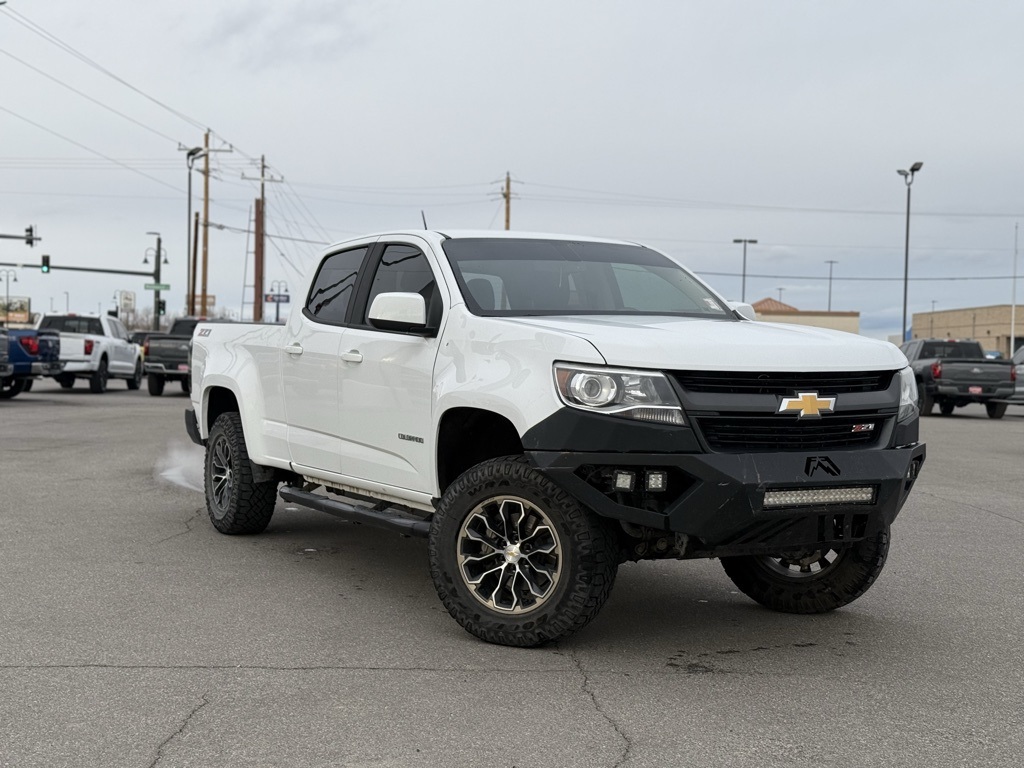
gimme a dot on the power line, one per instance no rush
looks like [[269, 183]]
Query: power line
[[89, 149], [56, 41]]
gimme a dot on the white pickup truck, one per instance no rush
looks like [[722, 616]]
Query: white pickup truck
[[544, 408], [96, 348]]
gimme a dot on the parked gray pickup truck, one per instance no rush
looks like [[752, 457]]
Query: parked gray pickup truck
[[952, 373]]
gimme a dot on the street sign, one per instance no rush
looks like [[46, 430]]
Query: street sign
[[276, 298], [211, 301], [157, 287]]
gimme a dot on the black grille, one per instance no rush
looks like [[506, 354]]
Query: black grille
[[785, 384], [758, 434]]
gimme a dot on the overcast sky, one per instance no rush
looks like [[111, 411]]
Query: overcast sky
[[680, 124]]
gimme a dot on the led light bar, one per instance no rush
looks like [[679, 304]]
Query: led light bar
[[815, 496]]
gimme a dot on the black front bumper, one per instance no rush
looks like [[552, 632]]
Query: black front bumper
[[718, 499]]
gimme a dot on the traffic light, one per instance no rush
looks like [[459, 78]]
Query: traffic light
[[46, 263], [161, 307], [30, 236]]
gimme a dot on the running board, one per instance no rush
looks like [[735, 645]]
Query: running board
[[388, 518]]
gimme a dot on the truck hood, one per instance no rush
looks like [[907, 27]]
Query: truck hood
[[682, 343]]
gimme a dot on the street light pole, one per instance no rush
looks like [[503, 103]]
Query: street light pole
[[743, 286], [277, 287], [158, 257], [831, 263], [1013, 300], [931, 321], [190, 300], [908, 179]]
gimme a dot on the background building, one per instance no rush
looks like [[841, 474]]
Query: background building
[[772, 311], [989, 325]]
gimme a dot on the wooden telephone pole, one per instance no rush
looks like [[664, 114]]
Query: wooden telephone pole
[[260, 236], [507, 194]]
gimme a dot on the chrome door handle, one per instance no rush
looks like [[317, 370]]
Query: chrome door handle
[[352, 356], [293, 349]]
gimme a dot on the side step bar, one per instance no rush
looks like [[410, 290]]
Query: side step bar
[[388, 518]]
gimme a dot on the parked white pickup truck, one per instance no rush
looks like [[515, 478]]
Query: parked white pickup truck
[[543, 408], [95, 348]]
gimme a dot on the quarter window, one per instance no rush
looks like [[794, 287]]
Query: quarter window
[[334, 285]]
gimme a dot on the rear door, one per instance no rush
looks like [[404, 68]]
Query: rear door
[[310, 362]]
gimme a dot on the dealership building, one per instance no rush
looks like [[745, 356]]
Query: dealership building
[[989, 325]]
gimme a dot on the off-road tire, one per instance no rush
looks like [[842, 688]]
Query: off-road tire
[[98, 380], [136, 380], [11, 387], [155, 384], [586, 559], [236, 503], [66, 380], [848, 577], [995, 410]]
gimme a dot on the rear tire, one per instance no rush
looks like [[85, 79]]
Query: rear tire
[[946, 408], [236, 503], [155, 384], [66, 380], [98, 380], [11, 387], [924, 401], [28, 385], [515, 559], [136, 380], [790, 583], [186, 385], [995, 410]]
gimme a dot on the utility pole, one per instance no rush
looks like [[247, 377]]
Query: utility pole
[[507, 194], [206, 217], [831, 263], [260, 236]]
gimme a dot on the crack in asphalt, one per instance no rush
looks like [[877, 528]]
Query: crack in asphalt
[[973, 506], [163, 745], [585, 687], [189, 522]]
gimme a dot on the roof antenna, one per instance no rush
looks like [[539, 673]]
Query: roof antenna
[[424, 216]]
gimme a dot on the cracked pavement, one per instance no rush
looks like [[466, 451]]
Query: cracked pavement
[[131, 634]]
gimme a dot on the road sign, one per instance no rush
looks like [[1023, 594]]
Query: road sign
[[211, 301], [276, 298], [157, 287]]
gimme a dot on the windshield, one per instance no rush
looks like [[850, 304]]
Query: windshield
[[517, 277], [72, 324]]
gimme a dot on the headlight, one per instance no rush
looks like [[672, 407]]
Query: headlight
[[908, 395], [638, 395]]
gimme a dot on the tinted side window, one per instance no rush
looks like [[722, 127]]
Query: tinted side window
[[404, 268], [334, 284]]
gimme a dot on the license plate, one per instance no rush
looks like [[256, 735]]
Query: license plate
[[184, 367], [975, 390]]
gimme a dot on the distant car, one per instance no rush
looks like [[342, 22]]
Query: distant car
[[993, 354]]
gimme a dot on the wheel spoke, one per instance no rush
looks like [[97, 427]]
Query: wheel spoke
[[511, 513]]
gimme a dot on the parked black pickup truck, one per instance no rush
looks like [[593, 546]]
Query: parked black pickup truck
[[167, 355], [952, 373]]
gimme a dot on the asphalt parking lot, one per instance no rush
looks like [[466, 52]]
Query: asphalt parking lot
[[132, 634]]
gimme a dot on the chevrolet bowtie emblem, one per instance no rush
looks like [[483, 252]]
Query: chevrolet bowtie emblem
[[808, 404]]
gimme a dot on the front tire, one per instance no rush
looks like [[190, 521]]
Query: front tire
[[155, 384], [515, 559], [236, 503], [99, 378], [812, 581]]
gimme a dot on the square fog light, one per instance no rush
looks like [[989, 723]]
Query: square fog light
[[655, 481], [624, 481]]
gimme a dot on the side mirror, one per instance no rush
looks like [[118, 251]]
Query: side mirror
[[743, 309], [398, 312]]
